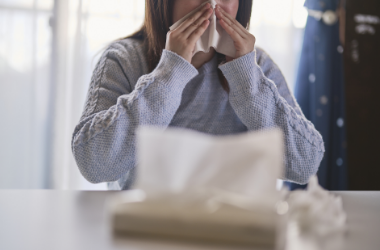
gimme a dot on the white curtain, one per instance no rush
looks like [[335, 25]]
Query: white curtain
[[83, 28], [48, 49], [278, 26], [25, 49]]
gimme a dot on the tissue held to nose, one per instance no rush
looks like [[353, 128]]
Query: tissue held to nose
[[214, 36]]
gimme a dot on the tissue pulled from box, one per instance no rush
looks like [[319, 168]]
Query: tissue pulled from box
[[182, 161], [214, 36]]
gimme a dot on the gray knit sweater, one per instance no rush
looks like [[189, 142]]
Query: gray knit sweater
[[124, 95]]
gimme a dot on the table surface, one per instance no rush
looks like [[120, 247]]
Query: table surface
[[51, 219]]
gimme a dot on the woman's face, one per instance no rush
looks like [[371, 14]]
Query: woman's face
[[183, 7]]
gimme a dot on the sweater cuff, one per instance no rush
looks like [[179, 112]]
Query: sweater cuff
[[241, 70], [174, 69]]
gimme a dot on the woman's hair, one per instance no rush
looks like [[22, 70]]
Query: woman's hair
[[158, 19]]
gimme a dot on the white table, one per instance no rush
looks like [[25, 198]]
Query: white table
[[71, 220]]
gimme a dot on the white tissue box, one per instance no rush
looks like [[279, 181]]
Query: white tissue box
[[226, 220], [205, 188]]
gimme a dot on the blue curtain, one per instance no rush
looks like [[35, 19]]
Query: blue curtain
[[319, 91]]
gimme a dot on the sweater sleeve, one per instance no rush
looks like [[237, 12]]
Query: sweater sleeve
[[103, 142], [259, 105]]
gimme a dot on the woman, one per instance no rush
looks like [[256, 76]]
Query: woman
[[151, 78]]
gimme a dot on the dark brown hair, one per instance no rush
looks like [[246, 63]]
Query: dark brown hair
[[158, 19]]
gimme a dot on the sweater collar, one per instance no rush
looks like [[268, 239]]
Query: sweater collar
[[209, 66]]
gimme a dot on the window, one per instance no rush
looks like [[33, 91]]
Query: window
[[48, 49]]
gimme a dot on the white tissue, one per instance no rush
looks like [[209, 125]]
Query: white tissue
[[214, 36], [316, 211], [181, 161]]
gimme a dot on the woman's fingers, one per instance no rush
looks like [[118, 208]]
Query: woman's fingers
[[193, 18], [198, 32], [243, 40], [232, 20], [184, 45], [194, 26], [235, 35], [182, 39], [231, 24]]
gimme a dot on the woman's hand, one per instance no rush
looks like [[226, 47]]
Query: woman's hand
[[243, 40], [182, 40]]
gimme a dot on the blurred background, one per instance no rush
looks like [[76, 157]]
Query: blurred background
[[48, 49]]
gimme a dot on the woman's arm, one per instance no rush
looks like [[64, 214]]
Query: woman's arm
[[103, 142], [258, 103], [272, 72]]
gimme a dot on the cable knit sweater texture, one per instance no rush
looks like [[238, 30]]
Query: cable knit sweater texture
[[124, 95]]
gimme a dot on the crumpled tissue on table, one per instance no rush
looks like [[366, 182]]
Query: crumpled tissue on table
[[316, 211], [214, 36], [203, 187]]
